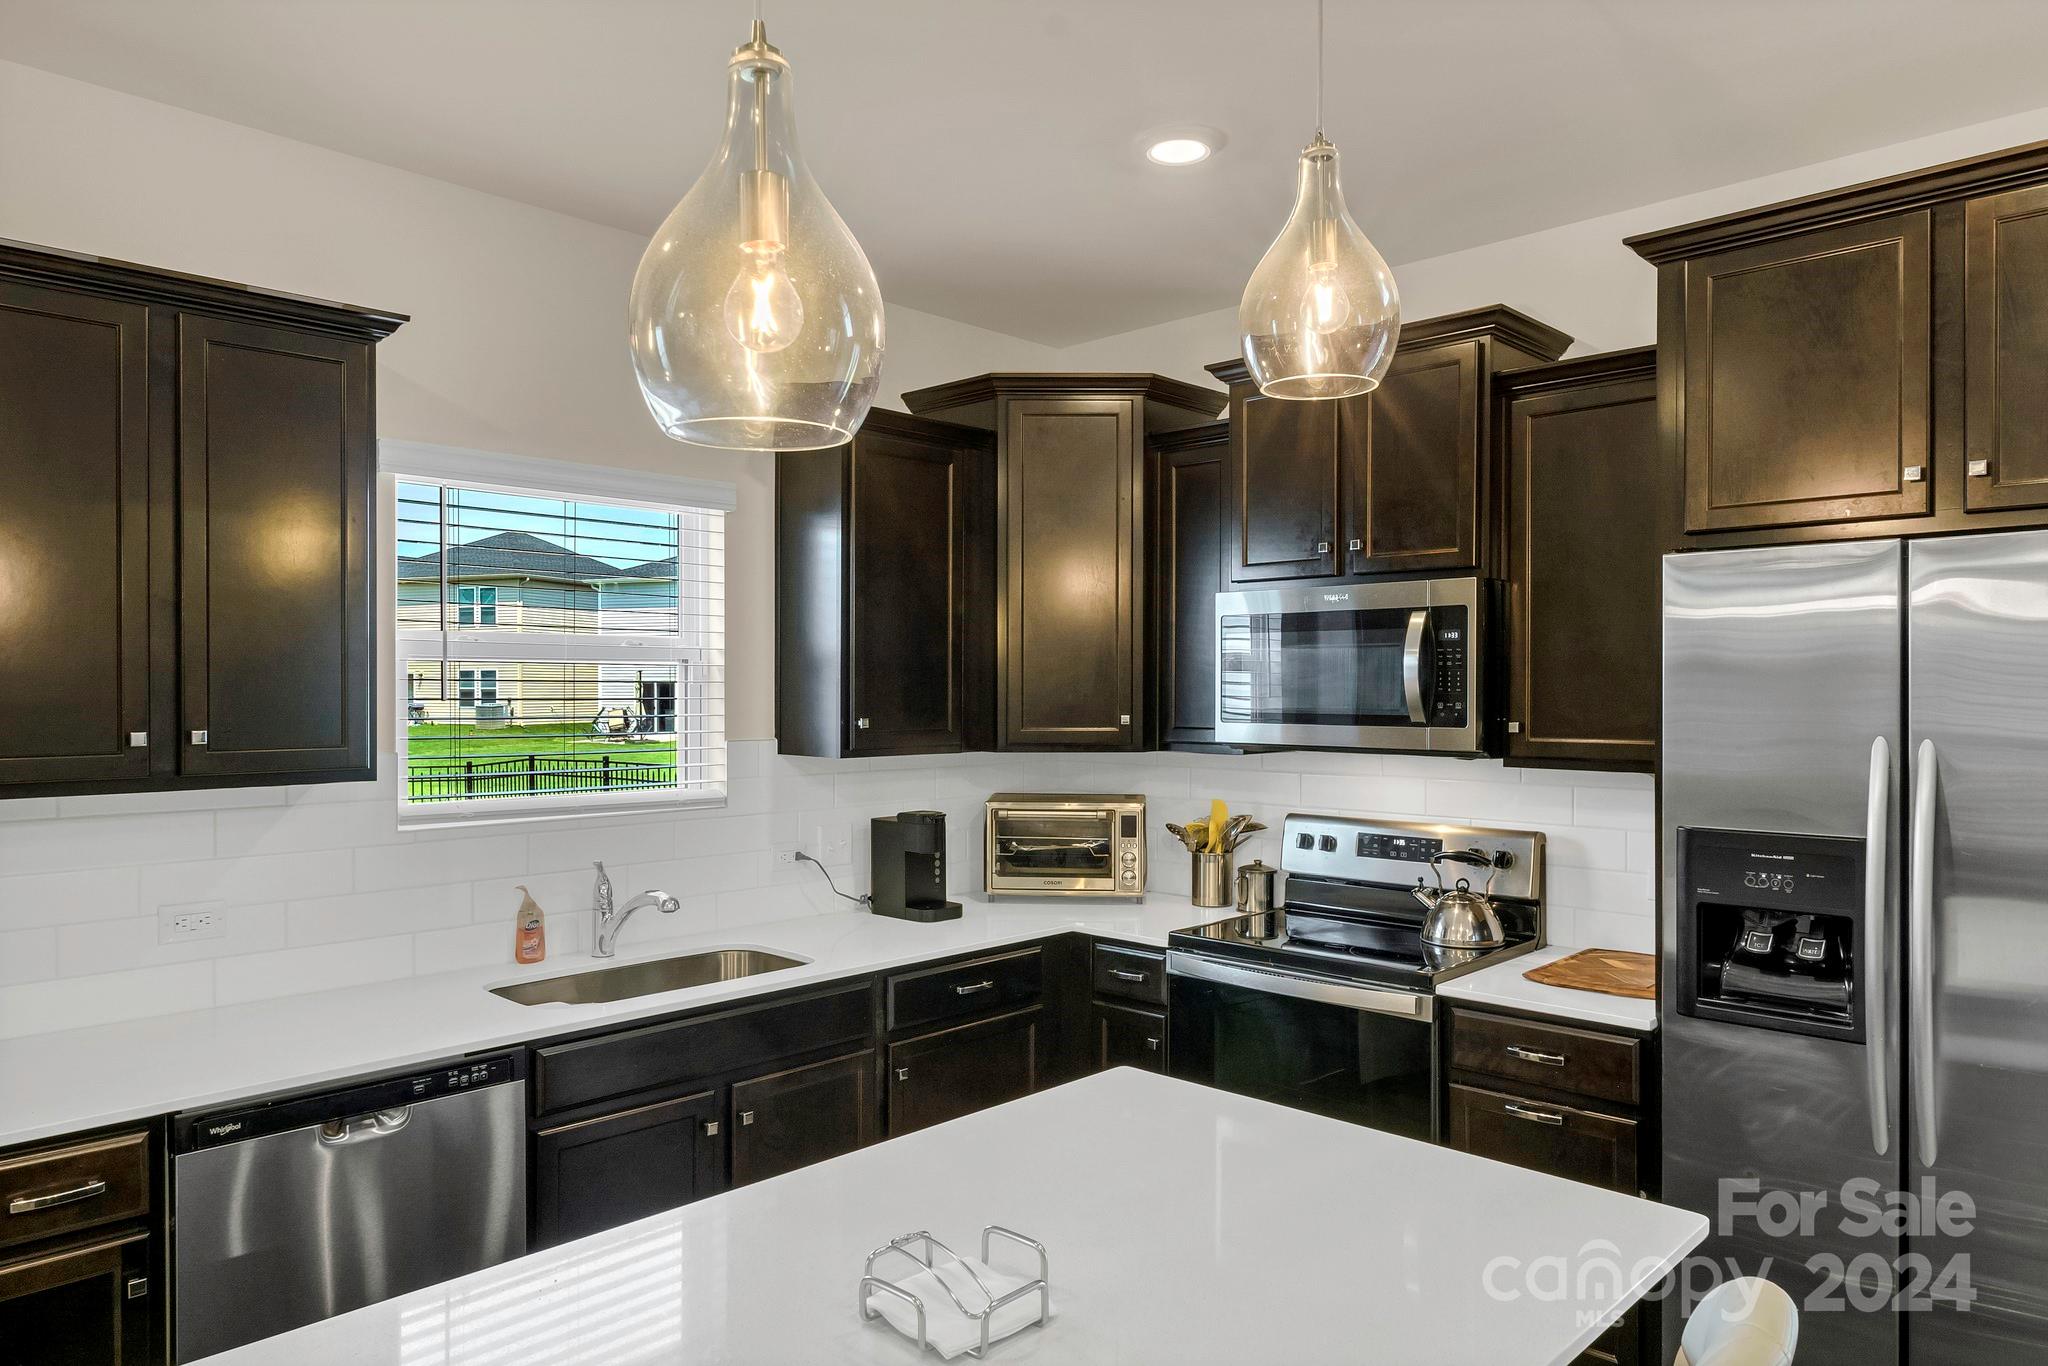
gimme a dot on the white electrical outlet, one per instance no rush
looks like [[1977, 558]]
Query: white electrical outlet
[[831, 843], [785, 858], [192, 920]]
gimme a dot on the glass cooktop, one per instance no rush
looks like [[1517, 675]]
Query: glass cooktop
[[1385, 948]]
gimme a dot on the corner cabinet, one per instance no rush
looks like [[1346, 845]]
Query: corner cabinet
[[1188, 571], [884, 567], [1396, 481], [1071, 545], [191, 466], [1584, 536], [1860, 362]]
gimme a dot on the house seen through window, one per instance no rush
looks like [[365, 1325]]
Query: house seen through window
[[558, 653]]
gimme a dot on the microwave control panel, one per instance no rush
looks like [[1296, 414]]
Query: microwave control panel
[[1450, 628]]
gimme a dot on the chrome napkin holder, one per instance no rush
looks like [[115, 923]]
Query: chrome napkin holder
[[870, 1283]]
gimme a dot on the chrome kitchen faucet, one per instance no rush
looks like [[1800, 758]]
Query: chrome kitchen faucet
[[610, 918]]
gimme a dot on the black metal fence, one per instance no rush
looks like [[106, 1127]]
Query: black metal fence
[[429, 780]]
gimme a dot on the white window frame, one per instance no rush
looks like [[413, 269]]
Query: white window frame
[[470, 598], [400, 461]]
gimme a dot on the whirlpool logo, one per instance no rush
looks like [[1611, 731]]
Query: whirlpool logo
[[223, 1130]]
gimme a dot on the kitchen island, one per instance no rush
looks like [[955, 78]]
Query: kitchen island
[[1183, 1225]]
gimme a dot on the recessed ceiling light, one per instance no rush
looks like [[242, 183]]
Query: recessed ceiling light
[[1180, 145]]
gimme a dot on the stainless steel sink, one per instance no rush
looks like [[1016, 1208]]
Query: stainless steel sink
[[646, 978]]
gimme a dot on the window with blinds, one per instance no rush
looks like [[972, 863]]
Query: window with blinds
[[557, 654]]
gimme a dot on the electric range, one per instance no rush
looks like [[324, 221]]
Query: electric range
[[1327, 1003]]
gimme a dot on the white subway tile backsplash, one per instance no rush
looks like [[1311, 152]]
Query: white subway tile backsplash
[[105, 841], [295, 972], [322, 888]]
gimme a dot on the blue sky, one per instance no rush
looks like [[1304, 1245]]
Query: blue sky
[[605, 531]]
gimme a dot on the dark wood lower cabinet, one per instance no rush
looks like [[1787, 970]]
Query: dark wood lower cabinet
[[953, 1072], [1128, 1037], [593, 1174], [791, 1119], [1583, 1145], [87, 1303]]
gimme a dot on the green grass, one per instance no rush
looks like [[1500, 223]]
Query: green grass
[[467, 742]]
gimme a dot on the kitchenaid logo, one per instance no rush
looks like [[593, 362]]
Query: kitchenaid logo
[[223, 1130], [1336, 597]]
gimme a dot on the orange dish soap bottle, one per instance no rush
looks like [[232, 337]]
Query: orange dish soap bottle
[[530, 936]]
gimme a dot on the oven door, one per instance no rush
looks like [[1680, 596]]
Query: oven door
[[1365, 666], [1357, 1053], [1051, 849]]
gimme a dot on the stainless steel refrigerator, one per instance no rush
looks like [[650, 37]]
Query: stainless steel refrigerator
[[1854, 934]]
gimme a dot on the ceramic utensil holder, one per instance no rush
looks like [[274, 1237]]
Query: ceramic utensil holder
[[1214, 880]]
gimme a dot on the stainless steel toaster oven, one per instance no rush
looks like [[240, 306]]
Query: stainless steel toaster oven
[[1065, 844]]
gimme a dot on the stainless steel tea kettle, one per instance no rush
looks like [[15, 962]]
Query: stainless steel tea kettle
[[1460, 918]]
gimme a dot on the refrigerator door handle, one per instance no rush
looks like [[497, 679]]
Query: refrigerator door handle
[[1920, 949], [1878, 1056]]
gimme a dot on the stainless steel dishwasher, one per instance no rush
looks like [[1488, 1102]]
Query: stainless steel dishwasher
[[291, 1211]]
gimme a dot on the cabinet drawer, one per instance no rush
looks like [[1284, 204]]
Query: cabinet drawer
[[572, 1074], [62, 1189], [962, 989], [1130, 974], [1600, 1150], [1555, 1057]]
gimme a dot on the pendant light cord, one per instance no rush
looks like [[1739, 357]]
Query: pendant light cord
[[1317, 66]]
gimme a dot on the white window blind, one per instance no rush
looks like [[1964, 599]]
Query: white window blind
[[559, 653]]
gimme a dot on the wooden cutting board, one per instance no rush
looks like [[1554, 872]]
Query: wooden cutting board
[[1615, 972]]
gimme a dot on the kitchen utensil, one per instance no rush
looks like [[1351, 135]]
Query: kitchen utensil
[[1460, 918], [1219, 817], [1245, 832], [1198, 836], [1211, 884], [1180, 832], [1255, 888]]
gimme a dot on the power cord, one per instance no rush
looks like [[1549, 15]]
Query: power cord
[[802, 857]]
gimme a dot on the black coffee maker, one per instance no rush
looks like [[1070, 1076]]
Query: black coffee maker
[[909, 860]]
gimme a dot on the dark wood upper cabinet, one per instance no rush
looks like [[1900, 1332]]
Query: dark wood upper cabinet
[[1807, 369], [276, 458], [1188, 571], [1585, 533], [1071, 545], [74, 458], [1397, 481], [2005, 305], [1859, 362], [884, 573], [1285, 479], [195, 594]]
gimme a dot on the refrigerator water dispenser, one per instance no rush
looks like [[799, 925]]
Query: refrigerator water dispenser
[[1770, 931]]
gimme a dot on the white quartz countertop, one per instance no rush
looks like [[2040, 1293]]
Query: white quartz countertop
[[1176, 1219], [1504, 985], [76, 1079]]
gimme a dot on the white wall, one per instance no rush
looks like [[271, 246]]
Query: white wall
[[1578, 277], [518, 338]]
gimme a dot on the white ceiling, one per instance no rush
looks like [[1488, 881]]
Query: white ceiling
[[983, 150]]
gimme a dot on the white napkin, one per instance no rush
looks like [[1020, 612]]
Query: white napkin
[[948, 1331]]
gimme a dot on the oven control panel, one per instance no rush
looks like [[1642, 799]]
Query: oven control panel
[[1396, 853]]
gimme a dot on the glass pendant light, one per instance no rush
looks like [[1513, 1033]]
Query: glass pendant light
[[755, 317], [1320, 315]]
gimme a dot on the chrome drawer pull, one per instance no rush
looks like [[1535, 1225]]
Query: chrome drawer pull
[[746, 1118], [972, 987], [29, 1204], [1152, 1044], [903, 1074], [1126, 975], [1516, 1050], [1534, 1116]]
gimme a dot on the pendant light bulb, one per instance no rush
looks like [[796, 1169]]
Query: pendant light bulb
[[1321, 314], [755, 320]]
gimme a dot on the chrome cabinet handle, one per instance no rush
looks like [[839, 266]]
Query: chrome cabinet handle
[[1534, 1116], [1516, 1050], [29, 1204], [1411, 664], [1980, 468], [138, 739], [970, 988], [1126, 975], [1920, 947], [746, 1118], [1354, 544], [1913, 474], [903, 1074], [1152, 1044], [1322, 547], [861, 723], [711, 1128], [1879, 1059], [198, 737]]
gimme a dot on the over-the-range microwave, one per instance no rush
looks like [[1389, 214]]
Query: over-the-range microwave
[[1392, 666]]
